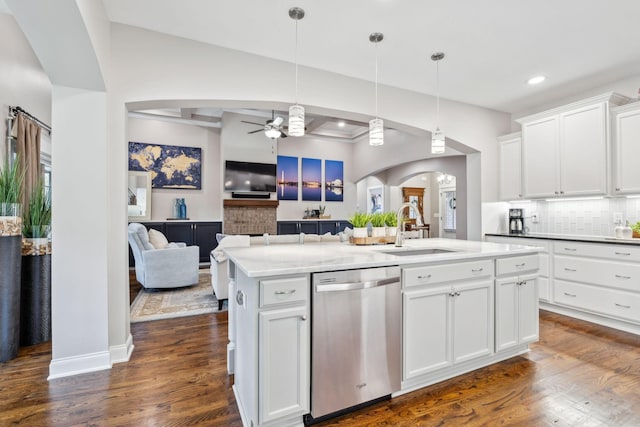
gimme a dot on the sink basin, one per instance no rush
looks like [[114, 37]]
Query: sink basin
[[416, 252]]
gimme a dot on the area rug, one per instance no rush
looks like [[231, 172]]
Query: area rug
[[179, 302]]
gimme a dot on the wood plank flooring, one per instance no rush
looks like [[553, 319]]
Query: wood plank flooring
[[579, 374]]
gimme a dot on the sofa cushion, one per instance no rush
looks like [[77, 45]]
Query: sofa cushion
[[140, 234], [157, 239]]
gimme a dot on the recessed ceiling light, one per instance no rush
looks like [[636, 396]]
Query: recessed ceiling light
[[536, 79], [341, 124]]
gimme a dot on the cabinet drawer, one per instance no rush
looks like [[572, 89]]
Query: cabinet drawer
[[612, 274], [610, 302], [517, 265], [283, 291], [426, 275], [609, 251]]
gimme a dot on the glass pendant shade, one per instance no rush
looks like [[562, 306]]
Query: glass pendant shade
[[437, 142], [376, 132], [296, 120]]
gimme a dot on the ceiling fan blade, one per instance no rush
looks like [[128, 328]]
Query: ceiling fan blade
[[278, 121], [255, 131], [253, 123]]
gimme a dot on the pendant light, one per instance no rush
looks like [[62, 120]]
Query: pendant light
[[376, 126], [296, 112], [437, 137]]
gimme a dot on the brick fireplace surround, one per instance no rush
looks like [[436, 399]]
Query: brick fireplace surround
[[248, 216]]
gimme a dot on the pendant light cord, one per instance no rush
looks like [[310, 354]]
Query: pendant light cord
[[376, 80], [437, 92], [296, 59]]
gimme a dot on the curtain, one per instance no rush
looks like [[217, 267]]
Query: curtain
[[28, 151]]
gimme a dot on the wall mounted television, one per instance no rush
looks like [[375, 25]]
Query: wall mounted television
[[248, 176]]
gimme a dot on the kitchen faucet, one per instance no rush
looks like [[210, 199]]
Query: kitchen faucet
[[400, 230]]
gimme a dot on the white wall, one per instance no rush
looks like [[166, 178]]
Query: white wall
[[22, 81], [202, 205]]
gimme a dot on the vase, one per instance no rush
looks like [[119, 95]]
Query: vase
[[379, 231], [360, 232], [10, 264], [35, 299], [392, 231]]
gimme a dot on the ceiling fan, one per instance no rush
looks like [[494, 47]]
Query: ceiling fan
[[272, 128]]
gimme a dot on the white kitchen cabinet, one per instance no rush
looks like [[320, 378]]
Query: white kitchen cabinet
[[566, 150], [516, 311], [626, 149], [510, 172], [283, 374], [447, 324]]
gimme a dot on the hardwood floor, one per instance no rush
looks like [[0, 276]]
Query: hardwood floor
[[579, 374]]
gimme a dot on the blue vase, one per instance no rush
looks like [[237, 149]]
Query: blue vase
[[176, 209], [183, 209]]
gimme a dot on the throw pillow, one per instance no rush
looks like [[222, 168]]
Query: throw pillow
[[157, 239], [220, 236]]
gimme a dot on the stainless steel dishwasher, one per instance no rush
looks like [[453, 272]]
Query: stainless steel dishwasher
[[356, 338]]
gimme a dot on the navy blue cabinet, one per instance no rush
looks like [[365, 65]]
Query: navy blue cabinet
[[312, 227]]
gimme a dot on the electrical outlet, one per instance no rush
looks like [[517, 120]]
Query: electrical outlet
[[534, 217], [617, 218]]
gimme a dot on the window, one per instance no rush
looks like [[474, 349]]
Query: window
[[449, 219]]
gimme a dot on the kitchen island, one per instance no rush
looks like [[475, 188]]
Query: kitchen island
[[464, 305]]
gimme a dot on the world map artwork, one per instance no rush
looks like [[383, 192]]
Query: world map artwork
[[170, 166]]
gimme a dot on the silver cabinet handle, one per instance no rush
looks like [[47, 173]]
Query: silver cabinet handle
[[521, 265], [569, 269], [477, 270], [623, 253], [424, 277], [290, 291], [570, 295], [570, 249], [303, 318], [524, 282], [622, 306], [454, 294], [622, 277]]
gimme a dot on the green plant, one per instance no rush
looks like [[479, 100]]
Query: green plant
[[37, 216], [636, 227], [360, 219], [378, 219], [10, 183], [390, 219]]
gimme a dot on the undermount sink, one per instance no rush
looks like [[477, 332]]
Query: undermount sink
[[416, 252]]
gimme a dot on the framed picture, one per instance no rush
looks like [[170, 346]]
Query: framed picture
[[333, 180], [170, 166], [375, 200], [287, 178], [311, 179]]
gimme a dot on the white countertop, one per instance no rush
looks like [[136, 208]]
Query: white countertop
[[570, 237], [280, 259]]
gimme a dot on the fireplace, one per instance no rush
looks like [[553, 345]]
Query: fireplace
[[248, 216]]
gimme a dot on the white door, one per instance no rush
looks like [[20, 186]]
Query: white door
[[627, 152], [506, 313], [540, 155], [510, 174], [583, 151], [472, 320], [427, 331], [528, 323], [447, 222], [283, 378]]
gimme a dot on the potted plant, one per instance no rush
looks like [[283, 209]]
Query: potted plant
[[378, 223], [391, 221], [10, 260], [35, 294], [636, 230], [359, 220]]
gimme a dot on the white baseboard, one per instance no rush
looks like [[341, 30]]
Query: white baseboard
[[68, 366], [122, 353]]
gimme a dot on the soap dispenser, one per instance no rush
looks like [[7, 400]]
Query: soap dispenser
[[627, 232], [618, 231]]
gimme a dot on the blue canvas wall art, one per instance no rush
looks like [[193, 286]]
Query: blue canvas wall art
[[333, 181], [311, 179], [170, 166], [287, 176]]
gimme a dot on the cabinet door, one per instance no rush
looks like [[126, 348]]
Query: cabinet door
[[506, 313], [583, 151], [427, 331], [309, 227], [180, 232], [540, 154], [205, 237], [472, 320], [283, 379], [510, 174], [288, 227], [627, 152], [528, 310], [342, 225]]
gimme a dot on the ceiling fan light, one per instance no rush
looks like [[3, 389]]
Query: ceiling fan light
[[272, 133], [437, 142], [296, 120], [376, 132]]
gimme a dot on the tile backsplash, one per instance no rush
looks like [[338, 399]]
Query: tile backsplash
[[581, 217]]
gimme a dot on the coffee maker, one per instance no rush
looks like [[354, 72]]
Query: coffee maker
[[516, 221]]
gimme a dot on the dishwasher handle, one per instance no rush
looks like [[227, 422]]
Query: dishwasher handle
[[353, 286]]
